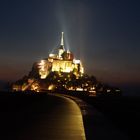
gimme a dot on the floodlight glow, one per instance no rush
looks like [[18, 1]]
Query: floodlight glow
[[76, 61]]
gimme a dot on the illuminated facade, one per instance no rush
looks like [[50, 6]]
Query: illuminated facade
[[61, 71], [63, 61]]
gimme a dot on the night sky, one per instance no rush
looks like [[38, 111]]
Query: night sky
[[104, 34]]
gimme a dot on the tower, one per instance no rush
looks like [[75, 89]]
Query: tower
[[62, 39], [61, 48]]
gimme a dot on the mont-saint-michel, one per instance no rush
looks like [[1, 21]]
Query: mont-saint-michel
[[61, 71]]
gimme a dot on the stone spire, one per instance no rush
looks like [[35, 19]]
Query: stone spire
[[62, 41], [61, 48]]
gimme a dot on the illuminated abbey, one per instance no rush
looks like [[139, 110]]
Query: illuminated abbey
[[63, 61], [61, 72]]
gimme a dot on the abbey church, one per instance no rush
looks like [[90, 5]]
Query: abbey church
[[63, 61]]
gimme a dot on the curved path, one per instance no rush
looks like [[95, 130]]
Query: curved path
[[53, 117], [97, 125], [50, 118]]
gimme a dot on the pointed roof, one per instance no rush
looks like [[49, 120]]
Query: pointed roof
[[62, 41]]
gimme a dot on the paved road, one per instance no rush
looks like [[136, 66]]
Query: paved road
[[97, 125], [50, 118]]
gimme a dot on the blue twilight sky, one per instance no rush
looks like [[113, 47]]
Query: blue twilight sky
[[104, 34]]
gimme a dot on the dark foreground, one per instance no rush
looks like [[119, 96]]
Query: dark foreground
[[39, 117], [17, 111], [123, 112]]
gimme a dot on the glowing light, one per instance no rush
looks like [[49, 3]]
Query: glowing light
[[117, 90], [86, 84], [52, 55], [76, 61], [51, 87], [35, 87], [82, 69], [16, 88], [108, 90], [93, 88], [79, 89], [71, 88], [92, 91], [43, 69]]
